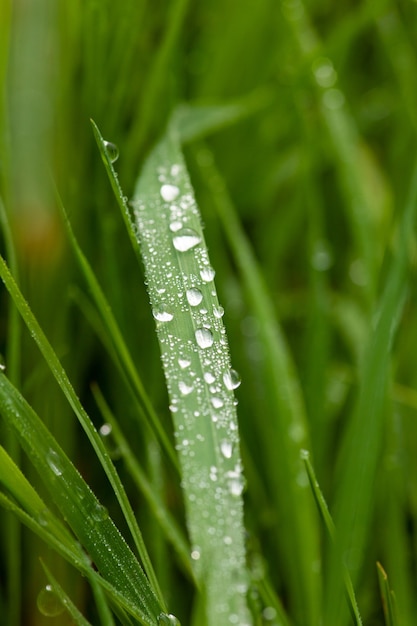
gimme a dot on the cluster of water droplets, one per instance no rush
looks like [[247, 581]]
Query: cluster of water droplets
[[196, 361]]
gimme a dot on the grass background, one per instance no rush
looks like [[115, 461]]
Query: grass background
[[316, 170]]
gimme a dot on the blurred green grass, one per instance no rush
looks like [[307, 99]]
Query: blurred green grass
[[318, 172]]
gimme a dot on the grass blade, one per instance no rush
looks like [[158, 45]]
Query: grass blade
[[53, 595], [388, 598], [199, 378], [98, 445]]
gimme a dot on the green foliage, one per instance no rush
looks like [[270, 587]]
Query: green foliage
[[292, 128]]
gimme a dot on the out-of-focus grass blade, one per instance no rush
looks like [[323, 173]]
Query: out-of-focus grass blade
[[287, 430], [199, 378], [87, 517], [388, 597], [324, 511], [98, 445], [353, 505]]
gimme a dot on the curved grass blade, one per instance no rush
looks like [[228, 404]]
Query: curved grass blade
[[98, 445], [197, 369], [87, 517], [388, 598]]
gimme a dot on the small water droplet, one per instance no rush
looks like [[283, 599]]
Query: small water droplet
[[269, 613], [99, 512], [2, 363], [168, 619], [49, 603], [207, 274], [324, 72], [209, 378], [218, 311], [231, 379], [236, 482], [161, 314], [184, 363], [304, 454], [226, 448], [175, 226], [195, 554], [186, 239], [194, 296], [217, 402], [184, 388], [204, 337], [54, 462], [112, 151], [106, 433], [169, 192]]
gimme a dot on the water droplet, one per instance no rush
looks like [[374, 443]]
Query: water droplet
[[209, 378], [184, 388], [169, 192], [231, 379], [207, 274], [186, 239], [321, 259], [236, 482], [49, 603], [112, 151], [175, 226], [99, 512], [105, 430], [269, 613], [167, 619], [161, 314], [204, 337], [184, 363], [106, 433], [226, 448], [54, 462], [304, 454], [195, 554], [217, 402], [194, 296], [324, 72], [2, 363], [218, 311]]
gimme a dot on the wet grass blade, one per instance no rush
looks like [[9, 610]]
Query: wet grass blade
[[53, 600], [197, 368], [86, 516], [388, 598]]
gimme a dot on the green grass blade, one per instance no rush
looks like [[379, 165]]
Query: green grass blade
[[87, 517], [287, 430], [200, 381], [353, 506], [388, 598], [172, 531], [53, 600], [116, 337], [98, 445], [324, 511]]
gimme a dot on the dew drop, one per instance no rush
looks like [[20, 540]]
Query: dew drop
[[304, 454], [218, 311], [167, 619], [112, 151], [184, 388], [195, 554], [231, 379], [186, 239], [207, 274], [99, 512], [204, 337], [236, 483], [175, 226], [184, 363], [194, 296], [2, 363], [217, 402], [161, 314], [209, 378], [48, 602], [54, 462], [169, 192], [226, 449]]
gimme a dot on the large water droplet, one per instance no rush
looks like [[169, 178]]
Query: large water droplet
[[48, 602], [217, 402], [169, 192], [112, 151], [231, 379], [226, 448], [218, 311], [209, 378], [185, 239], [194, 296], [204, 337], [207, 274], [175, 226], [54, 462], [161, 314]]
